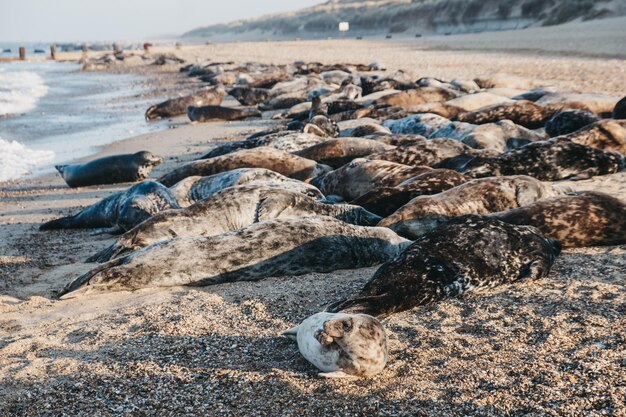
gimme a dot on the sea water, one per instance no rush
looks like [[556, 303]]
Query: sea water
[[53, 113]]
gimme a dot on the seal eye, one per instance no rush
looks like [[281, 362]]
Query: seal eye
[[347, 325]]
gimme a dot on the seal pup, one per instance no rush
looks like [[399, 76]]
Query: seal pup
[[178, 106], [285, 141], [548, 160], [569, 121], [338, 152], [580, 219], [193, 189], [230, 209], [110, 169], [386, 200], [120, 211], [521, 112], [609, 135], [362, 175], [216, 113], [342, 345], [291, 246], [464, 256], [264, 157], [486, 195]]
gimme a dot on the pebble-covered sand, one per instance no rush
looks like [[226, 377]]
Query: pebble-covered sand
[[553, 347]]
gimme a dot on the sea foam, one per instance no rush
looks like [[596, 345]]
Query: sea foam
[[17, 160], [20, 91]]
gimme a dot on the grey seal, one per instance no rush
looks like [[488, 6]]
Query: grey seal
[[284, 163], [218, 113], [291, 246], [342, 345], [178, 106], [120, 211], [110, 169], [464, 256], [230, 209]]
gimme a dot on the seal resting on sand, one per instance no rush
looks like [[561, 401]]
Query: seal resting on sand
[[466, 255], [230, 209], [576, 220], [482, 196], [120, 211], [361, 175], [110, 169], [521, 112], [342, 345], [196, 188], [284, 163], [217, 113], [338, 152], [548, 160], [178, 106], [291, 246]]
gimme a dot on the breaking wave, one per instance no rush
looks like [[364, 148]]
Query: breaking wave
[[17, 160], [20, 91]]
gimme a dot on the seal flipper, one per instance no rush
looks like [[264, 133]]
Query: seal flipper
[[370, 305], [57, 224], [114, 251], [337, 374], [291, 333], [60, 168]]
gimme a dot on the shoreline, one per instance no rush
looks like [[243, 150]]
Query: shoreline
[[550, 347]]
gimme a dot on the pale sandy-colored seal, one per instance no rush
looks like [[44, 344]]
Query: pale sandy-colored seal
[[579, 219], [386, 200], [120, 211], [218, 113], [178, 106], [548, 160], [194, 189], [464, 256], [110, 169], [291, 246], [482, 196], [362, 175], [264, 157], [342, 345], [338, 152], [230, 209]]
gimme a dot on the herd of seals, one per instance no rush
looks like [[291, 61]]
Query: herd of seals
[[453, 186]]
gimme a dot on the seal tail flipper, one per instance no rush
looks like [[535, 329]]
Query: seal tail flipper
[[60, 168], [82, 281], [114, 251], [337, 374], [57, 224], [115, 230]]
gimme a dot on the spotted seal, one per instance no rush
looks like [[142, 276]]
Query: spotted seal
[[342, 345], [386, 200], [338, 152], [291, 246], [464, 256], [284, 163], [287, 141], [548, 160], [217, 113], [522, 112], [249, 96], [576, 220], [120, 211], [230, 209], [194, 189], [178, 106], [609, 135], [482, 196], [568, 121], [362, 175], [110, 169]]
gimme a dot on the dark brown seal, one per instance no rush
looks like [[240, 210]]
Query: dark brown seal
[[217, 113]]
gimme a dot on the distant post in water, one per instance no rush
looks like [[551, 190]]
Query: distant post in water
[[344, 27], [146, 47], [53, 52], [22, 53], [85, 50]]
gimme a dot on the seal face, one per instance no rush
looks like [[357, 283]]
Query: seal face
[[230, 209], [110, 169], [120, 211], [284, 163], [481, 196], [342, 345], [576, 220], [291, 246], [178, 106], [549, 160], [466, 255]]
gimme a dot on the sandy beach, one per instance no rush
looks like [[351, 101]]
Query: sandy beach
[[552, 347]]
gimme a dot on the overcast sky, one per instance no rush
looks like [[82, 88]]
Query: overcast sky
[[91, 20]]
